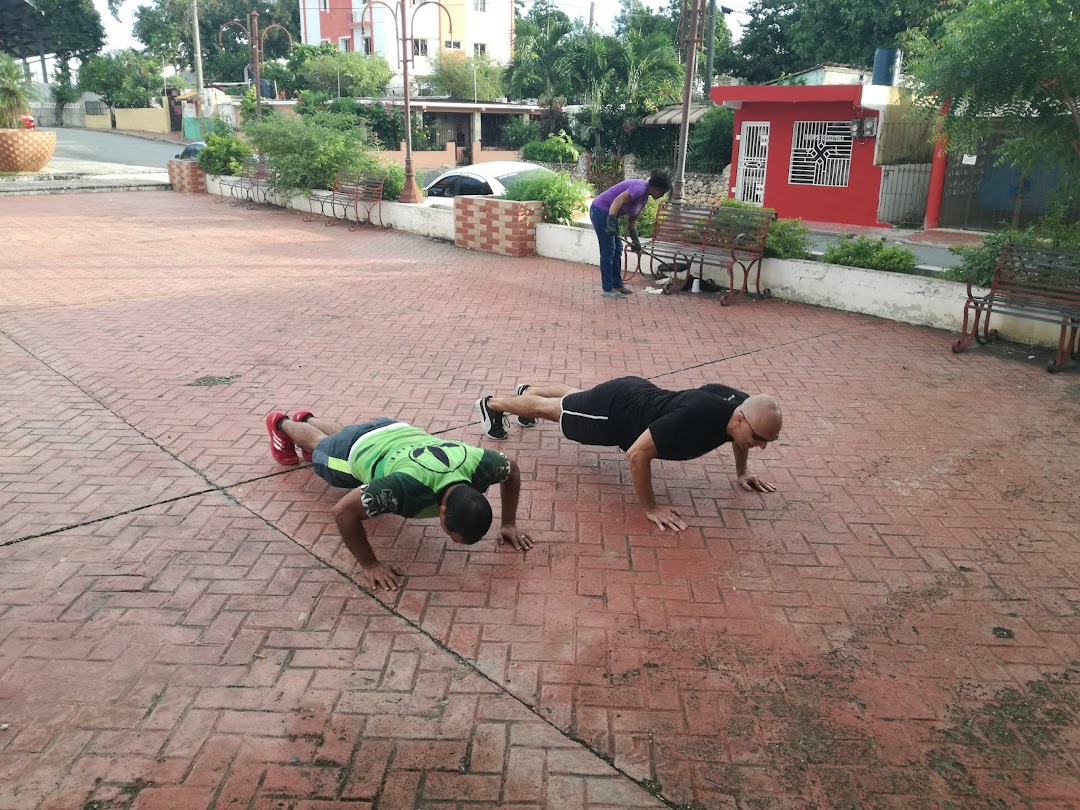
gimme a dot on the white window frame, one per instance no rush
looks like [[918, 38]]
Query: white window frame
[[479, 47], [420, 47], [480, 5], [344, 44], [813, 164], [452, 44]]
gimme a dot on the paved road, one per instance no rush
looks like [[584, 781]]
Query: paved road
[[112, 147]]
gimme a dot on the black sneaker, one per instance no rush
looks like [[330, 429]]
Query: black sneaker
[[494, 422], [524, 421]]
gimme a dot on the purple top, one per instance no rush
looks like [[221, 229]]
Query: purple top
[[639, 195]]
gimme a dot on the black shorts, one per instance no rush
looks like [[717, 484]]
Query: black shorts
[[586, 416], [331, 456]]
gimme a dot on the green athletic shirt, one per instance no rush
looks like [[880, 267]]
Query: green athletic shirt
[[403, 469]]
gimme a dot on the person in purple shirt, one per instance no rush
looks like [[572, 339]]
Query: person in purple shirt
[[626, 198]]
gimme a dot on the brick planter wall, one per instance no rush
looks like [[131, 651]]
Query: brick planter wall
[[494, 225], [187, 176]]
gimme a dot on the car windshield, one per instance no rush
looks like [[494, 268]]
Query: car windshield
[[518, 174]]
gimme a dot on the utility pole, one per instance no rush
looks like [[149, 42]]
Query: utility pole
[[592, 9], [693, 39], [257, 42], [712, 46], [197, 43]]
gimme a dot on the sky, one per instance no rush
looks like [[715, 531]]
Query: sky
[[118, 34]]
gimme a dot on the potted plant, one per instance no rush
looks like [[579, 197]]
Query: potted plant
[[21, 149]]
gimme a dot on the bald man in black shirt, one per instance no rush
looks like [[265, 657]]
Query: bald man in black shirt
[[647, 422]]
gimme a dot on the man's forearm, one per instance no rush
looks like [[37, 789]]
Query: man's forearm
[[352, 532], [741, 455], [510, 491], [641, 474]]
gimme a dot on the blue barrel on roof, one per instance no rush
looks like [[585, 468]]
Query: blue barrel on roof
[[885, 66]]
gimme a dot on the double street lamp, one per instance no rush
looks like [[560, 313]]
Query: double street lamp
[[411, 192], [257, 41]]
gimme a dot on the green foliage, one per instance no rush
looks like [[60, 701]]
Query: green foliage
[[977, 263], [124, 79], [713, 135], [849, 31], [247, 107], [224, 154], [872, 254], [563, 196], [518, 133], [15, 92], [73, 30], [765, 51], [556, 149], [354, 73], [306, 153], [553, 119], [647, 218], [1005, 59], [279, 72], [453, 74], [787, 239], [395, 181]]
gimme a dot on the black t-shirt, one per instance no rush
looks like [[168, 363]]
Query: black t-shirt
[[684, 424]]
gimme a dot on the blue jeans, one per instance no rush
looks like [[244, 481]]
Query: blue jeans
[[610, 255]]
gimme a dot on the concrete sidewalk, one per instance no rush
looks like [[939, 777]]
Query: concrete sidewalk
[[180, 627]]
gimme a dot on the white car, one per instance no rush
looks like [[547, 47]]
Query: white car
[[481, 178]]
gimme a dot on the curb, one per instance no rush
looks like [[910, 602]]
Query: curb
[[146, 136]]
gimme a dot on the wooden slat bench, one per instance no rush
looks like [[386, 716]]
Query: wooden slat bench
[[724, 237], [351, 190], [253, 186], [1038, 284]]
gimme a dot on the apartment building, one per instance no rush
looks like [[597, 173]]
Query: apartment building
[[466, 26]]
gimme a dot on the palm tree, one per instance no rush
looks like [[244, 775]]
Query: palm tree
[[15, 92], [533, 70]]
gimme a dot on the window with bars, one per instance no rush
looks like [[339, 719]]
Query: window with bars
[[453, 44], [820, 153], [420, 47], [479, 47], [479, 5]]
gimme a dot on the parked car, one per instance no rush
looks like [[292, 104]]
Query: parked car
[[481, 178], [28, 121], [191, 151]]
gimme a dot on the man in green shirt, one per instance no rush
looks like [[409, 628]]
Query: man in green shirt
[[392, 467]]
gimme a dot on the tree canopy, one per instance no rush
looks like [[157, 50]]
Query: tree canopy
[[453, 73], [123, 79], [354, 73], [1006, 60]]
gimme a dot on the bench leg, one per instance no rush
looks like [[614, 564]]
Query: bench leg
[[1074, 342], [733, 292], [989, 335], [1065, 349], [966, 337]]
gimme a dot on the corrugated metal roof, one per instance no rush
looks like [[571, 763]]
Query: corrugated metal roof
[[671, 115]]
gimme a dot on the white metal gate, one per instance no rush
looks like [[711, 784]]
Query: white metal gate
[[753, 157]]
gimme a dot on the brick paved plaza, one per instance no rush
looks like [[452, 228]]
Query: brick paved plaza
[[180, 626]]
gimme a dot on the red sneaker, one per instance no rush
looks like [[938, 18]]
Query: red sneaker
[[303, 416], [281, 446]]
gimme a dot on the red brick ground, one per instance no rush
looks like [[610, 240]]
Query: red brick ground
[[896, 627]]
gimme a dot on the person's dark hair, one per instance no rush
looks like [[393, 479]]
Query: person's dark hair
[[659, 179], [468, 513]]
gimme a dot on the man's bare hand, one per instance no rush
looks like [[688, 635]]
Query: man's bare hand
[[381, 577], [664, 517], [509, 533], [751, 483]]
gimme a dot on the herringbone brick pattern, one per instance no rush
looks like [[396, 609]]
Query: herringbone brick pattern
[[896, 627]]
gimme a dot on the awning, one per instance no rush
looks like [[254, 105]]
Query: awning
[[671, 115]]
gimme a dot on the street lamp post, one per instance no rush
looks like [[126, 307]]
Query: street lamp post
[[257, 44], [411, 192], [693, 37]]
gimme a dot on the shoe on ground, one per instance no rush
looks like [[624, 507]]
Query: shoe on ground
[[624, 291], [524, 421], [612, 294], [494, 422], [303, 416], [281, 446]]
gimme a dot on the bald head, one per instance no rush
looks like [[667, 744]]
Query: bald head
[[762, 415]]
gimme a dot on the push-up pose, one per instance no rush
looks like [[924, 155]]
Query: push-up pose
[[647, 422], [394, 467]]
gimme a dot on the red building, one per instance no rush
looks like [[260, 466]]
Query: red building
[[810, 152]]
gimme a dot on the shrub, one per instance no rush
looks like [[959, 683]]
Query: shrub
[[873, 254], [555, 149], [561, 194], [977, 263], [395, 181], [787, 239], [518, 133], [306, 152], [224, 154], [710, 147]]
